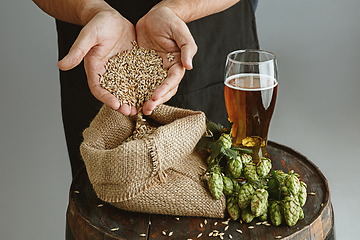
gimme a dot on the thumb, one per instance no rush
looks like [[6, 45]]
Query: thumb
[[82, 45]]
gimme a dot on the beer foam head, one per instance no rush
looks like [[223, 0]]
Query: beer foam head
[[251, 82]]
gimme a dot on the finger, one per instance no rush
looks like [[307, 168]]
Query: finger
[[175, 74], [187, 45], [83, 43], [125, 109], [150, 105], [133, 111], [106, 97]]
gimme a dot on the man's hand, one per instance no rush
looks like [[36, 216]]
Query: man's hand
[[163, 31], [105, 35]]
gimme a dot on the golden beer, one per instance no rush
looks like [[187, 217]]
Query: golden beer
[[250, 101]]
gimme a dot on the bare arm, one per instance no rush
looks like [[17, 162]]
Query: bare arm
[[191, 10]]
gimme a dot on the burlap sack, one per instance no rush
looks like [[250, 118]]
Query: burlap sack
[[160, 173]]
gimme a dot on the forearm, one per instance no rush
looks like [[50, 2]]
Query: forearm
[[190, 10], [73, 11]]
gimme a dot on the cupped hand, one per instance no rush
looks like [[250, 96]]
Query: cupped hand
[[105, 35], [163, 31]]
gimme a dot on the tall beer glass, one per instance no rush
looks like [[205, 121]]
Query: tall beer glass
[[251, 84]]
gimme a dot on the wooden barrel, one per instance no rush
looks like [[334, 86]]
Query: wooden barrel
[[90, 218]]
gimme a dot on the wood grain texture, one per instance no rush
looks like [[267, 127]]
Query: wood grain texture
[[87, 219]]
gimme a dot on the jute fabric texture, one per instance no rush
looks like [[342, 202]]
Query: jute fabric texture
[[158, 174]]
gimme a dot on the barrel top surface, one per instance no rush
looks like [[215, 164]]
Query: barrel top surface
[[108, 222]]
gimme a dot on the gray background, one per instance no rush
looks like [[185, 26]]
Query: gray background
[[317, 112]]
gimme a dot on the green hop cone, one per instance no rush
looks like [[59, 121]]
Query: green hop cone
[[247, 215], [281, 176], [216, 184], [264, 217], [233, 207], [246, 158], [301, 213], [285, 191], [275, 212], [302, 194], [259, 202], [236, 186], [291, 210], [263, 167], [234, 167], [228, 186], [292, 182], [226, 139], [250, 172], [245, 195]]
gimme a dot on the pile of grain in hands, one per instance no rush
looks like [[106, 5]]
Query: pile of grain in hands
[[132, 76]]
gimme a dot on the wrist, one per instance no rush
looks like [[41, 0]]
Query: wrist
[[87, 11], [191, 10]]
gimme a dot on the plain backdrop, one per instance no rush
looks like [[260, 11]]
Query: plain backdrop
[[317, 113]]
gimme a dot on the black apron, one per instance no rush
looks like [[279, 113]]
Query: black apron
[[201, 88]]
